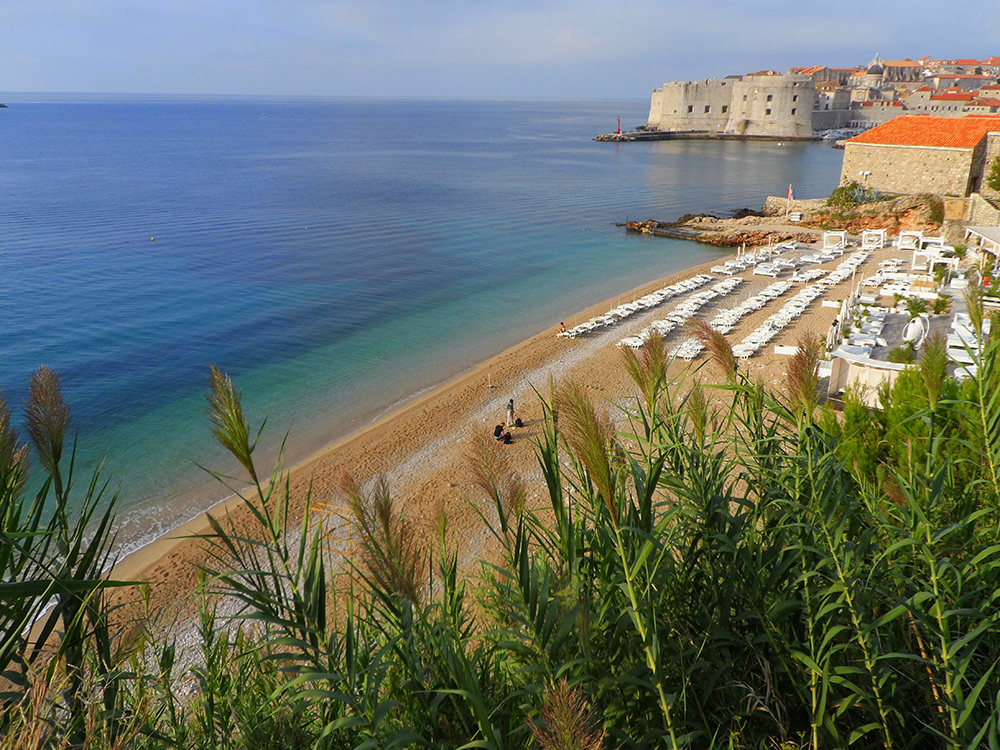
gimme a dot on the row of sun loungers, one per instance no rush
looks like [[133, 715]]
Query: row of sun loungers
[[682, 313], [759, 258], [806, 275], [653, 299], [796, 306], [725, 320]]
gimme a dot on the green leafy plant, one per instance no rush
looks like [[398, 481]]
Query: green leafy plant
[[941, 304], [915, 306], [904, 354], [993, 176], [720, 566]]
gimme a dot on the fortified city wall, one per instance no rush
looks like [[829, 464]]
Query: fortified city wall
[[778, 106]]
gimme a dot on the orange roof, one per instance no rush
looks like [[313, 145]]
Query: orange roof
[[901, 64], [985, 102], [954, 97], [924, 130], [961, 75]]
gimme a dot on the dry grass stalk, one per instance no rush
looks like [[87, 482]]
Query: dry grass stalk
[[699, 411], [802, 375], [390, 552], [718, 348], [47, 417], [590, 436], [567, 721], [493, 472], [647, 368], [13, 457], [229, 426]]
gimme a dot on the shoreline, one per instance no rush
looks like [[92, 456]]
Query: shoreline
[[149, 562], [420, 445]]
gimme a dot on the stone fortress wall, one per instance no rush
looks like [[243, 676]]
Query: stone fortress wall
[[910, 170], [992, 152], [775, 106]]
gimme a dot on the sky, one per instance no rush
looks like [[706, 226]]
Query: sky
[[459, 48]]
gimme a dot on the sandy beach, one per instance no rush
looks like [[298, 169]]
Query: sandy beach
[[421, 446]]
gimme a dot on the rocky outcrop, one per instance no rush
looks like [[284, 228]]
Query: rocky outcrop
[[711, 230], [773, 223], [906, 213]]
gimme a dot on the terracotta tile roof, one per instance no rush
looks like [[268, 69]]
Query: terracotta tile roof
[[954, 97], [809, 70], [985, 102], [924, 130]]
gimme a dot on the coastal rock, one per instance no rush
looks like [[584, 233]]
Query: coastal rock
[[710, 230], [906, 213], [772, 224]]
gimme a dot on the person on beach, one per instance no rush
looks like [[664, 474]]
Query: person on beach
[[510, 412], [498, 432], [562, 328], [507, 439]]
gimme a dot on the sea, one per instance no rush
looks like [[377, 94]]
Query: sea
[[334, 256]]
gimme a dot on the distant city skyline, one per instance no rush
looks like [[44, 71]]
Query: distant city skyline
[[505, 49]]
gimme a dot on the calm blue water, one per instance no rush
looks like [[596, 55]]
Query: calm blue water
[[334, 256]]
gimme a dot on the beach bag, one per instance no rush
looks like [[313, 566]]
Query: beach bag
[[518, 422]]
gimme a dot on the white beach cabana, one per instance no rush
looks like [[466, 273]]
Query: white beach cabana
[[909, 239], [987, 239], [834, 240], [873, 239]]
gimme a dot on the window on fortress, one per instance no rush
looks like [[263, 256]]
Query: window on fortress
[[767, 111], [744, 97], [707, 109], [795, 98], [690, 108], [793, 110], [769, 97], [725, 108]]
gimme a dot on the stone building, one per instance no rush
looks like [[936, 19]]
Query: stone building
[[924, 154], [765, 104]]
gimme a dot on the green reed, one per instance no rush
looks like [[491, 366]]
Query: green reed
[[714, 566]]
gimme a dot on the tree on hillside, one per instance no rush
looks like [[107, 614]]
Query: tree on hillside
[[993, 177]]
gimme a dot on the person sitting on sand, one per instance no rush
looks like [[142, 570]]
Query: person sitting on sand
[[507, 439], [562, 328], [498, 432]]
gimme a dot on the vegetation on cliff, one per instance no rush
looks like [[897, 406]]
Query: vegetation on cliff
[[993, 176], [844, 211], [740, 571]]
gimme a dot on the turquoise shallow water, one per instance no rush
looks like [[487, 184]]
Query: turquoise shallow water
[[335, 256]]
